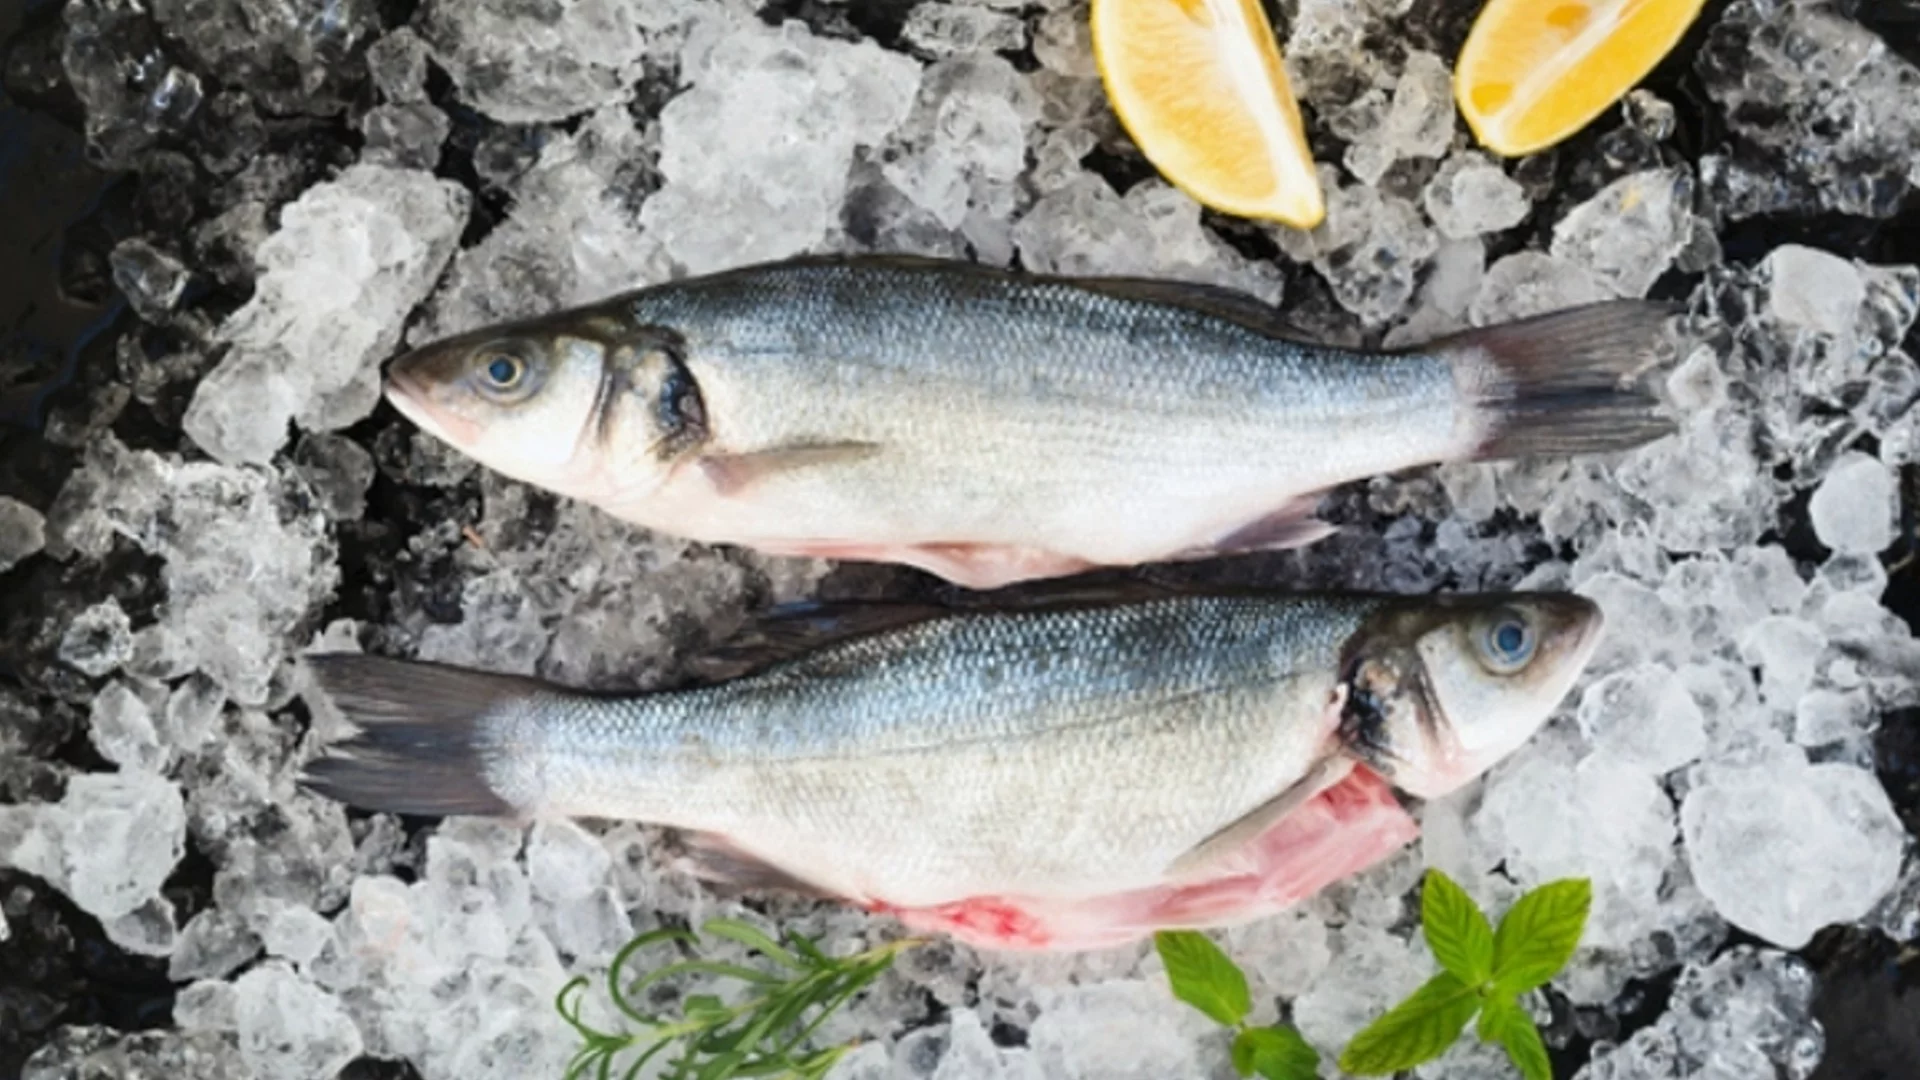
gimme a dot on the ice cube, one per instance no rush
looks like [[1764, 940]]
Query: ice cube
[[192, 714], [350, 260], [398, 64], [340, 471], [755, 153], [23, 532], [147, 930], [121, 727], [1154, 230], [1371, 248], [1528, 283], [1748, 1013], [279, 50], [1898, 915], [1418, 123], [1787, 651], [565, 862], [571, 238], [135, 94], [965, 142], [404, 136], [1830, 825], [294, 931], [99, 639], [1854, 508], [1075, 1038], [1821, 110], [289, 1028], [1645, 716], [1705, 487], [532, 64], [1471, 195], [943, 29], [972, 1054], [1549, 814], [151, 279], [109, 843], [207, 1005], [1829, 716], [1626, 236], [77, 1052], [245, 556], [1813, 290], [212, 945], [1369, 966]]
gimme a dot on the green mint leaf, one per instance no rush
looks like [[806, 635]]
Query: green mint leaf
[[1416, 1030], [1202, 976], [1459, 935], [1537, 936], [1276, 1053], [1503, 1021]]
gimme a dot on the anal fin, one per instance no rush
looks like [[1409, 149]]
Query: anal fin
[[1293, 525], [724, 866]]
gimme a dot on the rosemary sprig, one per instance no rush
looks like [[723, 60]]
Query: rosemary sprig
[[766, 1034]]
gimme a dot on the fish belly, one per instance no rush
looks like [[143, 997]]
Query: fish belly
[[1340, 832]]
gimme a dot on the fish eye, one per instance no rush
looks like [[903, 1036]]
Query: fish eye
[[1507, 641], [503, 372]]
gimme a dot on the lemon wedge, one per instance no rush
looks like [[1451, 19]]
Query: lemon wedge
[[1533, 72], [1199, 87]]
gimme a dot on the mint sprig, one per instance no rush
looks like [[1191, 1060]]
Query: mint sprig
[[1205, 978], [1486, 972]]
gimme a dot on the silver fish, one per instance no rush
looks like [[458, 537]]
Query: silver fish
[[1065, 774], [993, 427]]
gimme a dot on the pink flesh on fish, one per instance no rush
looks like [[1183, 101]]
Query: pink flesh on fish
[[1339, 832]]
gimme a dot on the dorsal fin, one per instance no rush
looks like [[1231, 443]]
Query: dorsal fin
[[795, 629], [1219, 301]]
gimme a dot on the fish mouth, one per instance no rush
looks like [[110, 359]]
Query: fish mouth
[[411, 398]]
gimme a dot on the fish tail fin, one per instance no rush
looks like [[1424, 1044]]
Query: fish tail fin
[[1562, 383], [424, 738]]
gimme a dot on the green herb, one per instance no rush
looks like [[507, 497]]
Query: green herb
[[1503, 1021], [765, 1034], [1485, 973], [1539, 934], [1416, 1030], [1459, 935], [1203, 977]]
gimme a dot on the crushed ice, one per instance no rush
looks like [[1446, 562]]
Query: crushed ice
[[1712, 771]]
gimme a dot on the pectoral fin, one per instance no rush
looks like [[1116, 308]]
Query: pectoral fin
[[733, 473], [1204, 857]]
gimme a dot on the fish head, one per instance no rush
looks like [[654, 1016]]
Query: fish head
[[1438, 690], [562, 402]]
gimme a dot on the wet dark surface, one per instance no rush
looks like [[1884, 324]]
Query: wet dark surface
[[62, 318]]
